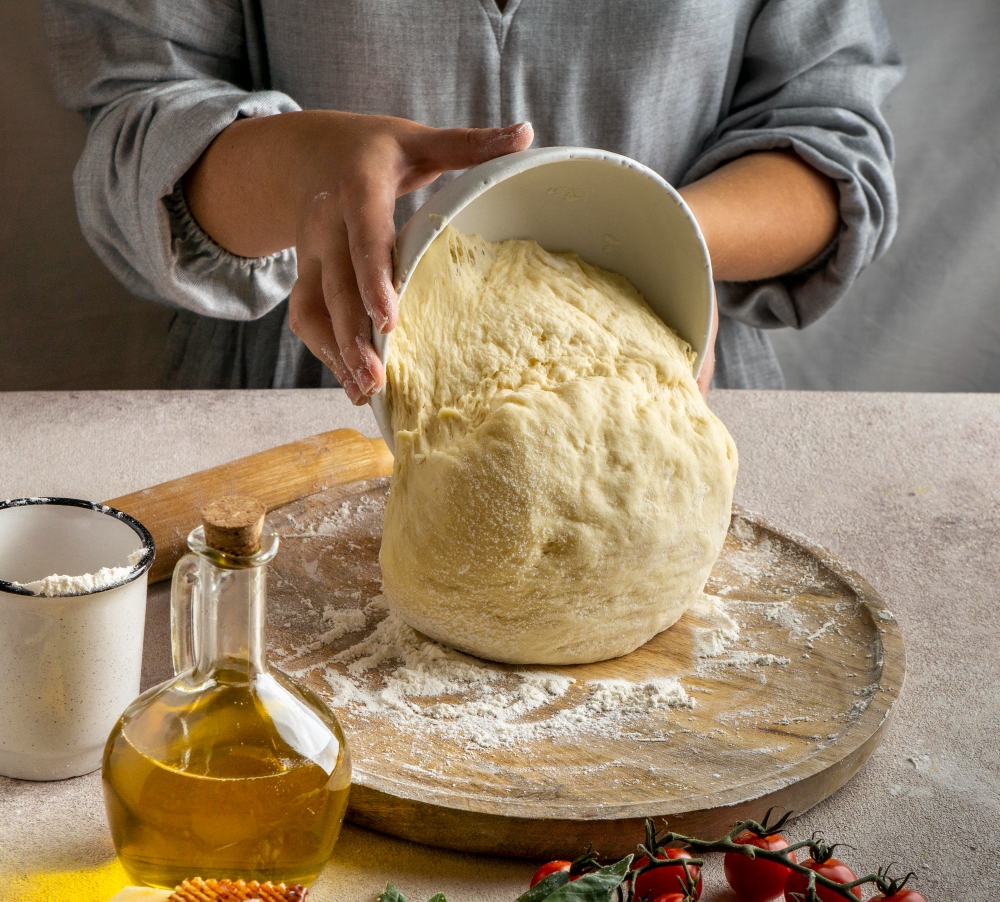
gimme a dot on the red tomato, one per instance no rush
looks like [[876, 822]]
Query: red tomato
[[672, 897], [832, 870], [757, 880], [663, 881], [551, 867], [903, 895]]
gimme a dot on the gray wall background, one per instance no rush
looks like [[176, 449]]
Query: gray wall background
[[924, 318], [64, 321]]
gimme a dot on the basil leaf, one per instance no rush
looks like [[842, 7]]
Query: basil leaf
[[593, 887], [545, 888], [392, 894]]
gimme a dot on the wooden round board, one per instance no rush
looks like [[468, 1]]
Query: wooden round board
[[700, 726]]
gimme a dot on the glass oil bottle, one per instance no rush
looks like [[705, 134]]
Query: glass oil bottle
[[230, 769]]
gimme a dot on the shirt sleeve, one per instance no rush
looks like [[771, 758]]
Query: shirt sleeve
[[812, 78], [156, 81]]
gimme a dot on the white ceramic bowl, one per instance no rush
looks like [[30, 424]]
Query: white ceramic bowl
[[614, 212], [70, 664]]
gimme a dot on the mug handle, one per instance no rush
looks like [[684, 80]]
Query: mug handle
[[184, 591]]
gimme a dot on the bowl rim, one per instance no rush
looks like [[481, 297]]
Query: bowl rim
[[447, 202], [145, 562]]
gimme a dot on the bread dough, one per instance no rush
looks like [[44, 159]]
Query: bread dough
[[560, 489]]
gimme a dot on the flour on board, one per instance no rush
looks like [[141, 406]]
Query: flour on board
[[371, 665], [395, 671]]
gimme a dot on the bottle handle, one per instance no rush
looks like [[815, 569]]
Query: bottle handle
[[184, 592]]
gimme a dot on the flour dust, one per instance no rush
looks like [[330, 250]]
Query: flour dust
[[394, 671]]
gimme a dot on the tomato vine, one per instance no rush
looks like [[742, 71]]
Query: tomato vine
[[593, 883]]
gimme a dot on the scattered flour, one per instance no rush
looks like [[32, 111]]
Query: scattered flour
[[55, 585], [750, 659], [623, 697], [762, 561], [341, 623], [712, 644], [392, 670], [489, 706], [712, 641], [787, 617], [348, 514], [392, 673]]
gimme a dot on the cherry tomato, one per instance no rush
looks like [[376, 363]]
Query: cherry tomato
[[663, 881], [832, 869], [552, 867], [903, 895], [672, 897], [757, 880]]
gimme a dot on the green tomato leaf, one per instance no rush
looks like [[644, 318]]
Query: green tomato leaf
[[594, 887], [545, 888], [392, 894]]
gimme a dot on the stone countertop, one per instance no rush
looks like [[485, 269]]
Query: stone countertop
[[906, 488]]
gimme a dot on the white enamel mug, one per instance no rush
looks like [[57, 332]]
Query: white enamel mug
[[612, 211], [69, 664]]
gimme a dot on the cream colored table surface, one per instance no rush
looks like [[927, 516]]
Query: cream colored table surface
[[904, 487]]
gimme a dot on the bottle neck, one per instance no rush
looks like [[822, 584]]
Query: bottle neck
[[229, 616]]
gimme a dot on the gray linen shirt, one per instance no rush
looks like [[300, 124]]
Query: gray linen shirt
[[681, 85]]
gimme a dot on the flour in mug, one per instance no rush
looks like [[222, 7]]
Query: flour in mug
[[56, 584]]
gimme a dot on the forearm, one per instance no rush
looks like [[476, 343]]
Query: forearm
[[240, 189], [326, 182], [764, 215]]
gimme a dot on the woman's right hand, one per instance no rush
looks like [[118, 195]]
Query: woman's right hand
[[327, 183]]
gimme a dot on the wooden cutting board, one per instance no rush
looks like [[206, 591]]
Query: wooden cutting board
[[784, 715]]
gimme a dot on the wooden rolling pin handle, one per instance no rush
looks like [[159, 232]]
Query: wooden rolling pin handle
[[276, 477]]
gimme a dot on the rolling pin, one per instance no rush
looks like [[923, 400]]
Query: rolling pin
[[276, 477]]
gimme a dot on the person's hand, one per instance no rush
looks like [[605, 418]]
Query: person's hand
[[328, 182], [358, 166], [708, 364]]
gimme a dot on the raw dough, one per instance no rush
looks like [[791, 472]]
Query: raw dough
[[560, 490]]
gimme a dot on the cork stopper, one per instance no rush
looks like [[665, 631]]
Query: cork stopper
[[233, 524]]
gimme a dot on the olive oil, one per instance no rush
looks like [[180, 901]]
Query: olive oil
[[230, 769], [211, 789]]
